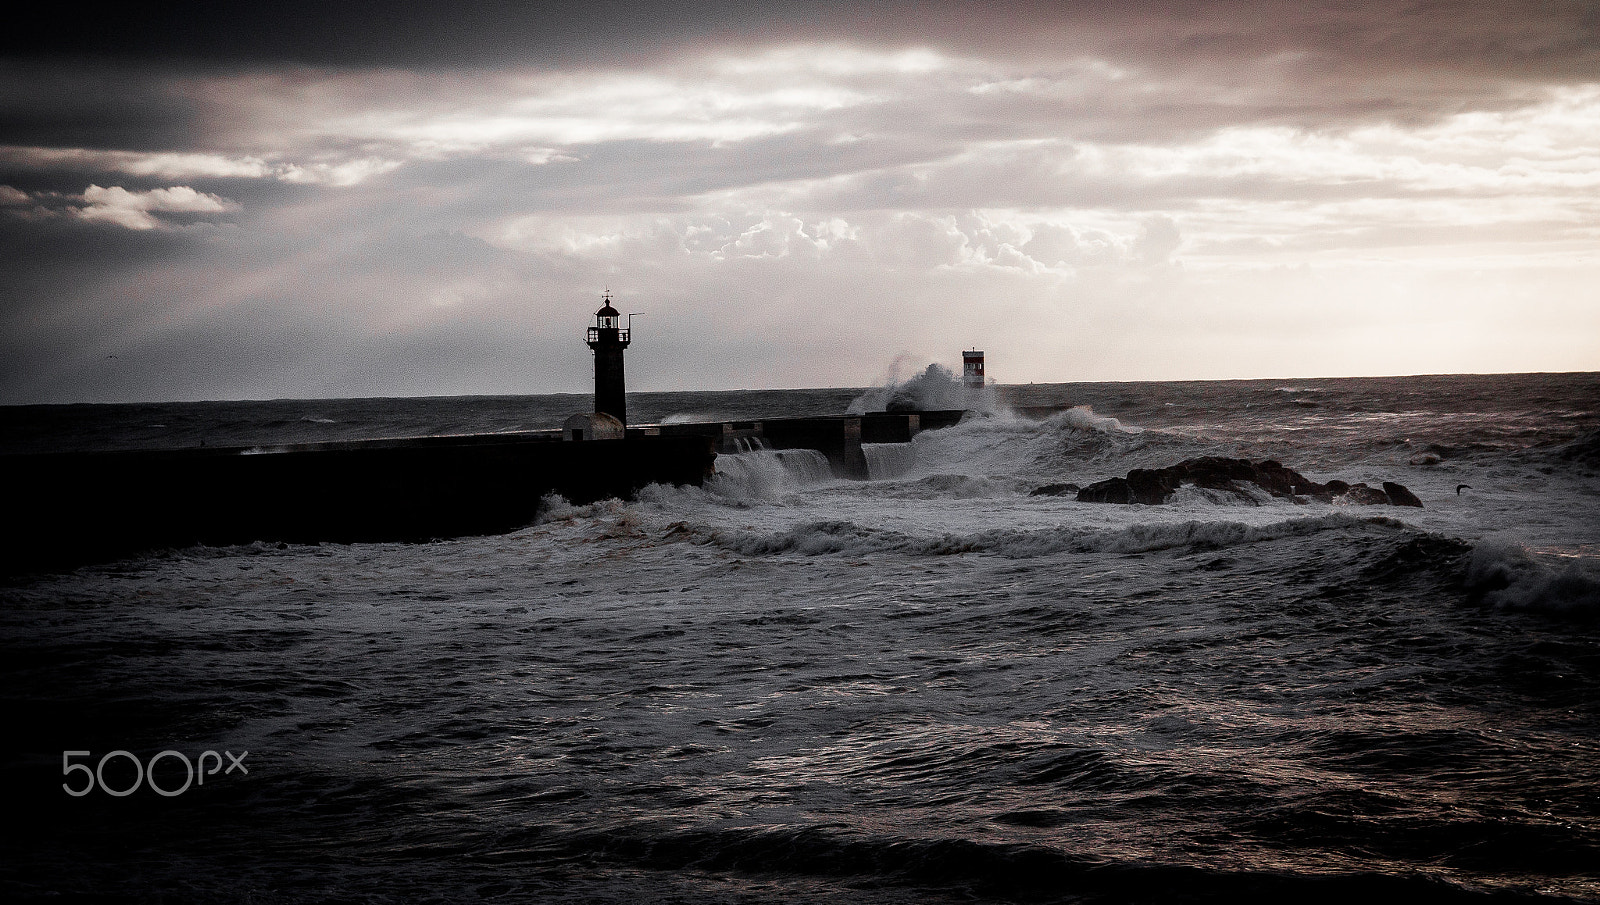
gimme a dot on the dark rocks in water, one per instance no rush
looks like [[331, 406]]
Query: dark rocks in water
[[1399, 496], [1054, 490], [1142, 485], [1111, 490], [1366, 496], [1152, 486]]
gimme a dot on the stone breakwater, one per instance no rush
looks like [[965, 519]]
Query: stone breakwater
[[1154, 486]]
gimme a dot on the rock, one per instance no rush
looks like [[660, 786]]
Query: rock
[[1213, 472], [1054, 490], [1111, 490], [1366, 496], [1399, 496], [1153, 486]]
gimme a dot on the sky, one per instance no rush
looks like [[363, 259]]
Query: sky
[[387, 199]]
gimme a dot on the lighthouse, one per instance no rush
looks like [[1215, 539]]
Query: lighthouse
[[607, 338]]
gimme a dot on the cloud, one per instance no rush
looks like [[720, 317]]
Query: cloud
[[1158, 239], [424, 210], [1324, 40], [178, 165], [161, 165], [342, 174], [1053, 245], [136, 210], [973, 241]]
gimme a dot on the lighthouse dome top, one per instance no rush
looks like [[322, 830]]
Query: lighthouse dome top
[[607, 310]]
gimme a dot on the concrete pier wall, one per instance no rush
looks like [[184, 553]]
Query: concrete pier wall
[[73, 508], [837, 438], [885, 427]]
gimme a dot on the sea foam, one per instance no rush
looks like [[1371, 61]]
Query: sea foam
[[1508, 576], [848, 537]]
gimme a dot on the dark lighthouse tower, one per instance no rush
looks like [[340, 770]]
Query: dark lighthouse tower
[[608, 339]]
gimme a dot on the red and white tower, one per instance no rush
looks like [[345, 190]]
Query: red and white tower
[[972, 368]]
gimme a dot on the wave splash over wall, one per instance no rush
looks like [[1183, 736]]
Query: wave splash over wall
[[935, 388], [768, 474]]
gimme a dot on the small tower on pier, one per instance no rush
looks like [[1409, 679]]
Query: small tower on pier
[[608, 338], [972, 368]]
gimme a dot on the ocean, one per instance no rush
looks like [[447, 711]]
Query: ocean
[[930, 686]]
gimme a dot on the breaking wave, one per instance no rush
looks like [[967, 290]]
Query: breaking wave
[[1509, 577], [889, 460], [846, 537], [1082, 417], [1246, 494], [936, 388], [768, 474], [1058, 447], [943, 486]]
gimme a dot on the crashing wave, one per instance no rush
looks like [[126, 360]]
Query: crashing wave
[[935, 389], [888, 460], [839, 536], [767, 474], [945, 486], [1003, 444], [1082, 417], [1509, 577]]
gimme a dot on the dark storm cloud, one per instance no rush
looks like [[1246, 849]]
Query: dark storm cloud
[[94, 104], [1538, 39], [158, 77], [381, 33], [325, 198]]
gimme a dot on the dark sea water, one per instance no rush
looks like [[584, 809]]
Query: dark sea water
[[930, 686]]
